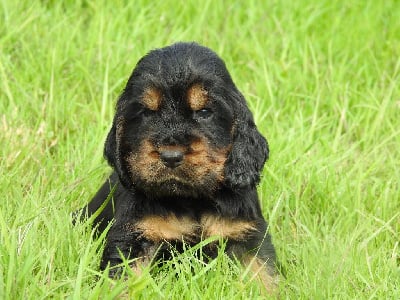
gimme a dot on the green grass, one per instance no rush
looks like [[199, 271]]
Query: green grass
[[322, 78]]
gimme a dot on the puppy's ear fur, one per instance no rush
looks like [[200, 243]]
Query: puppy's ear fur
[[249, 150], [110, 146]]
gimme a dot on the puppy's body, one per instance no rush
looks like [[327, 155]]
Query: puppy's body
[[187, 157]]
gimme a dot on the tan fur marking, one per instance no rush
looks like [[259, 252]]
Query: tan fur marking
[[262, 273], [200, 162], [145, 161], [226, 228], [207, 160], [197, 97], [168, 228], [151, 98], [142, 262], [137, 267]]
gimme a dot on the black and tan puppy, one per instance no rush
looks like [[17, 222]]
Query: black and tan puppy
[[187, 157]]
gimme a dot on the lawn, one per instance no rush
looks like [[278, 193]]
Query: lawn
[[323, 81]]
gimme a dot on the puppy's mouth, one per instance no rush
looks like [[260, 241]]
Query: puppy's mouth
[[177, 170]]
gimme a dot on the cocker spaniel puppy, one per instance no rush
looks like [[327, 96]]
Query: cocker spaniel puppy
[[187, 158]]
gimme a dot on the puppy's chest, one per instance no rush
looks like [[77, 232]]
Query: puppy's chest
[[183, 228]]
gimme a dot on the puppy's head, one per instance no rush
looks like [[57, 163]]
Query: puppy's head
[[182, 128]]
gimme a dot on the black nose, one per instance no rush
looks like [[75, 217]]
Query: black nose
[[171, 158]]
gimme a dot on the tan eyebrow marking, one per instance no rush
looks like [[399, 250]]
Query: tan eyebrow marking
[[151, 98], [197, 97]]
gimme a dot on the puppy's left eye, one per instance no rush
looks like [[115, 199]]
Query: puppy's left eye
[[204, 113]]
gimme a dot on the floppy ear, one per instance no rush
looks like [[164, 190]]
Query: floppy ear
[[110, 146], [112, 150], [249, 150]]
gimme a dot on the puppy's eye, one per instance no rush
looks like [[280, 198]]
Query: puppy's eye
[[204, 113], [147, 112], [137, 111]]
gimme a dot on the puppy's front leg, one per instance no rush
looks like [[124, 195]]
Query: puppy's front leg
[[126, 240], [257, 254]]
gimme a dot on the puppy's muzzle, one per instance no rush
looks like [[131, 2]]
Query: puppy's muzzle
[[171, 158]]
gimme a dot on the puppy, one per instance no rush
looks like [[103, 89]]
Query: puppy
[[187, 158]]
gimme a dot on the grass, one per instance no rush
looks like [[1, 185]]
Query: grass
[[322, 78]]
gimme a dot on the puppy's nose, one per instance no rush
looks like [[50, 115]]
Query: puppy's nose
[[171, 158]]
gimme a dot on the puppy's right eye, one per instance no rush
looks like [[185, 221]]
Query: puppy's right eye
[[137, 110], [147, 112], [203, 113]]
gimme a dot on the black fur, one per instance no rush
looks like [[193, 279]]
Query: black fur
[[224, 123]]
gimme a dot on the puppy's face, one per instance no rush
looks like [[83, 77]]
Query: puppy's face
[[176, 124], [176, 139]]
